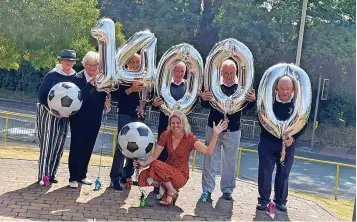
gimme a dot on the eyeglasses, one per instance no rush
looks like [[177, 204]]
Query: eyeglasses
[[92, 65]]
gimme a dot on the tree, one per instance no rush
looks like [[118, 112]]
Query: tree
[[172, 21], [38, 30], [270, 29], [207, 35]]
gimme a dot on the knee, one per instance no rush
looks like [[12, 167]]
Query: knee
[[154, 164]]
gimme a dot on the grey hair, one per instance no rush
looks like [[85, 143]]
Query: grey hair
[[90, 56], [184, 121], [229, 62], [180, 63]]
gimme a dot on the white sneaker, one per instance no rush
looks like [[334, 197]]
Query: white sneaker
[[86, 181], [73, 184], [41, 183]]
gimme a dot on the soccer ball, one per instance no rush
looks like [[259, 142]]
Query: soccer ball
[[135, 140], [64, 99]]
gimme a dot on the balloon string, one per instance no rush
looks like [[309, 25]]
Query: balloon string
[[105, 118], [283, 153]]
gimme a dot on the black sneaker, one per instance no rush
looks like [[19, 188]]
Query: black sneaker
[[227, 196], [281, 207], [116, 185], [262, 206], [156, 190]]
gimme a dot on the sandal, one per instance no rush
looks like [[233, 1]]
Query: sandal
[[164, 202]]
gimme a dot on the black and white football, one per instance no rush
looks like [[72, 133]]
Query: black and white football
[[64, 99], [135, 140]]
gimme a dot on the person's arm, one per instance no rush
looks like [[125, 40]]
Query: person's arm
[[202, 148], [154, 156], [205, 97], [159, 147], [88, 86], [250, 105], [119, 94], [297, 135], [44, 89], [205, 104]]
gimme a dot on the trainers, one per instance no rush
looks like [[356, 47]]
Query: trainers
[[73, 184], [206, 196], [116, 185], [262, 206], [156, 190], [227, 196], [281, 207], [86, 181]]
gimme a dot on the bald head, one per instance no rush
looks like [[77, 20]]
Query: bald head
[[179, 71], [134, 63], [229, 70], [285, 88]]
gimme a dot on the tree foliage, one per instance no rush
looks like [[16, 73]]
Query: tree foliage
[[32, 33], [172, 21], [39, 30]]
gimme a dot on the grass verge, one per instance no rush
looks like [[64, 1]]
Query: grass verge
[[341, 207]]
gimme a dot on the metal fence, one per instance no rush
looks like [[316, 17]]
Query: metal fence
[[21, 127]]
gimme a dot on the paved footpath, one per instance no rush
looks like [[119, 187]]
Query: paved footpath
[[21, 198]]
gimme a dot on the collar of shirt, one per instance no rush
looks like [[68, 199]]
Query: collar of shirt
[[88, 78], [59, 70], [278, 99], [182, 81]]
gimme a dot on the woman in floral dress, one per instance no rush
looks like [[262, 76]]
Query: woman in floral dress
[[174, 172]]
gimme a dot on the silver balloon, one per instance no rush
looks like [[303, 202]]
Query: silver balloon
[[145, 42], [237, 51], [104, 32], [302, 100], [163, 78]]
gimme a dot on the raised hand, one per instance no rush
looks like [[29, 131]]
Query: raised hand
[[157, 102], [137, 86], [206, 96], [251, 96], [222, 125]]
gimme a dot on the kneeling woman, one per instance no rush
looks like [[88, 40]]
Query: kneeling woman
[[174, 172]]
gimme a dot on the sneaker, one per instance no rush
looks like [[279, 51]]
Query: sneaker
[[262, 206], [73, 184], [206, 196], [41, 183], [227, 196], [156, 190], [116, 185], [281, 207], [86, 181]]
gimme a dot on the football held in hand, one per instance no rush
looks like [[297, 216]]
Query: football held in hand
[[64, 99], [135, 140]]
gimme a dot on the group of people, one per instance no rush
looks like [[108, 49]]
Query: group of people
[[167, 167]]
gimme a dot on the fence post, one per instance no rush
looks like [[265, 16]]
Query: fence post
[[336, 182], [253, 129], [194, 160], [354, 211], [6, 126], [239, 159]]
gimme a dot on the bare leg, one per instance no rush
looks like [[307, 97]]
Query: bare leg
[[170, 190], [155, 183]]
